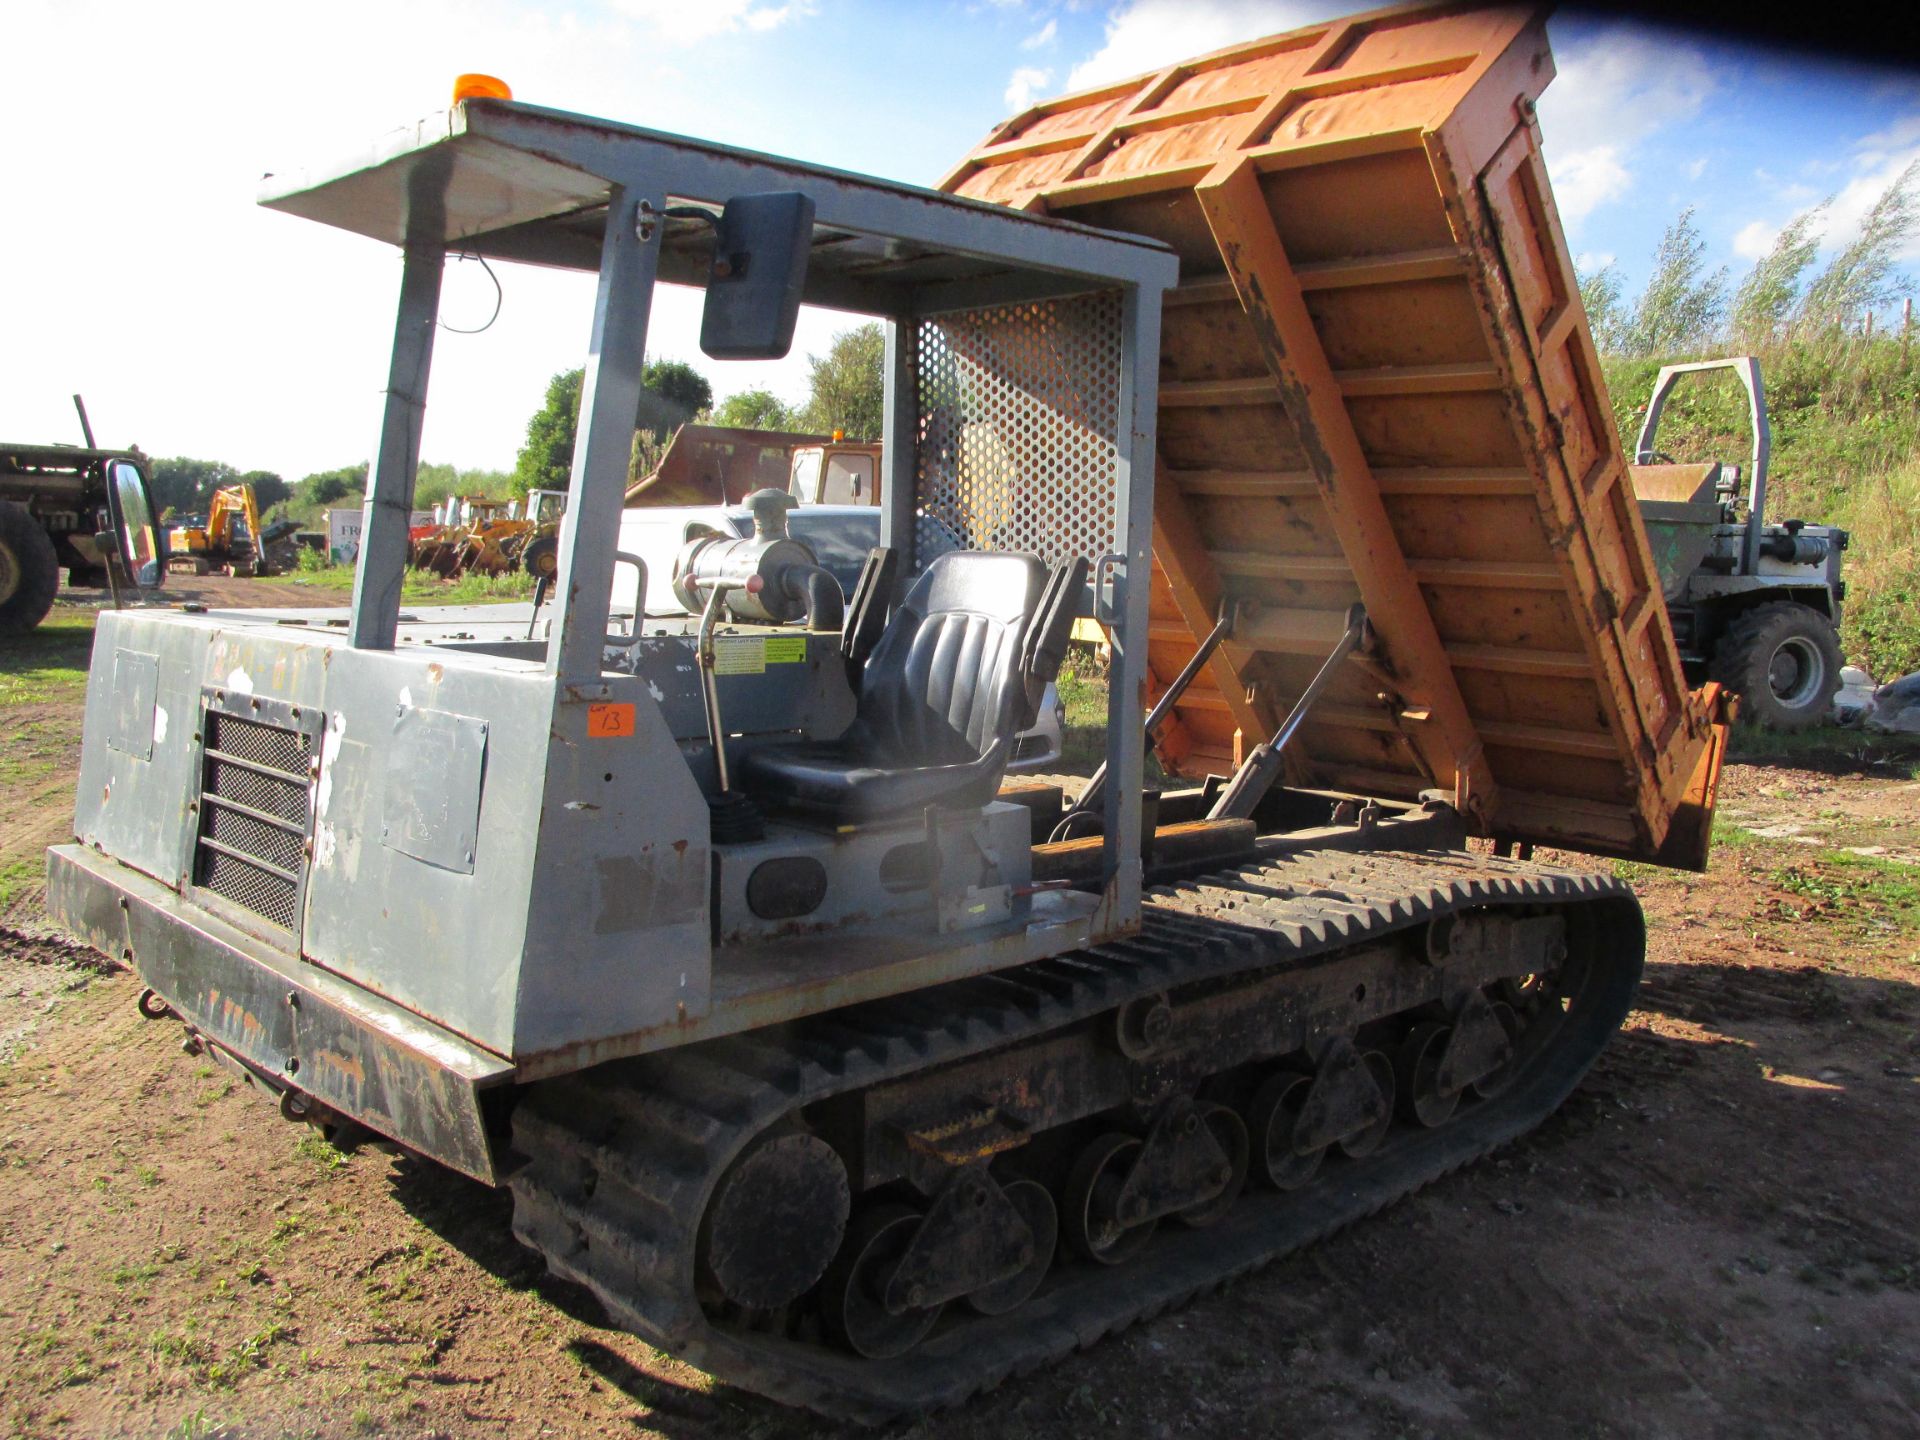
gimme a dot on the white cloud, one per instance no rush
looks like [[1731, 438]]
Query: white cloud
[[1587, 179], [686, 22], [1589, 261], [1611, 93], [1754, 239], [1697, 168], [1879, 161], [1043, 36], [1144, 35], [1022, 84]]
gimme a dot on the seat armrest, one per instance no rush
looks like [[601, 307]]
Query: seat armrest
[[1052, 628], [866, 614]]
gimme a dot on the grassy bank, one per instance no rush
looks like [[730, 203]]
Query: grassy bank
[[1845, 415]]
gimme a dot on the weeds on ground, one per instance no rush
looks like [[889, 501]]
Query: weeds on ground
[[1082, 684], [19, 876], [322, 1152], [1872, 897], [422, 586]]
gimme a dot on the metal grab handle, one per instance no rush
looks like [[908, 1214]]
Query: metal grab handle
[[1257, 772], [709, 688], [544, 584]]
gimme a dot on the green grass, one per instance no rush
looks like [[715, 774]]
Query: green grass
[[36, 750], [1863, 894], [315, 1147], [19, 876], [49, 664], [1082, 684], [422, 586]]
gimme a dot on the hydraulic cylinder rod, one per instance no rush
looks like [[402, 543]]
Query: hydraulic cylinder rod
[[1258, 771], [1090, 797]]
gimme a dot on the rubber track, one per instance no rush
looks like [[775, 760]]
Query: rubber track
[[620, 1160]]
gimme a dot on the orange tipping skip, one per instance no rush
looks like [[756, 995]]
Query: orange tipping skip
[[1378, 384]]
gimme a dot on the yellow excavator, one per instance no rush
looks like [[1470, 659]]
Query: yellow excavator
[[231, 538]]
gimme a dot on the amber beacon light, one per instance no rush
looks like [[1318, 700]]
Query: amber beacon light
[[480, 87]]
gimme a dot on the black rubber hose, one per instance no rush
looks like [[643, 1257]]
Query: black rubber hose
[[816, 588]]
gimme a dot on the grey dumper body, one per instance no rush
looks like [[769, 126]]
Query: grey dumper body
[[1755, 606], [392, 864], [713, 933]]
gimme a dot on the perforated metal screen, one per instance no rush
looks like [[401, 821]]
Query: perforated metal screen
[[1019, 444], [255, 813]]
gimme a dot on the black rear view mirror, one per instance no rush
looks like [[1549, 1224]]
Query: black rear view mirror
[[759, 269], [138, 540]]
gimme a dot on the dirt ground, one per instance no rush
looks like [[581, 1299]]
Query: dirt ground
[[1716, 1235]]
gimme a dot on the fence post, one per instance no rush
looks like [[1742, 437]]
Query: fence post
[[1906, 330], [1867, 334]]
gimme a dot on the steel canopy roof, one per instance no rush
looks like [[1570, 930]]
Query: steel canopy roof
[[522, 182]]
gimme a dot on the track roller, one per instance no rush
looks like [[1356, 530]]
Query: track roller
[[1036, 1207], [853, 1295], [1090, 1202], [1273, 1125], [1230, 1134]]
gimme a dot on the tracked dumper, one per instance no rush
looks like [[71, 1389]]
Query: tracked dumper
[[826, 1059]]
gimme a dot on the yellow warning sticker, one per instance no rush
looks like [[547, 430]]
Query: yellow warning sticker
[[786, 649], [740, 655]]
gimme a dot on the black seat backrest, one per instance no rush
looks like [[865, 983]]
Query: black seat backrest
[[945, 684]]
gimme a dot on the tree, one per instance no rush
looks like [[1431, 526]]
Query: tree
[[680, 383], [1606, 310], [849, 392], [329, 487], [268, 488], [672, 392], [1861, 277], [1765, 298], [434, 483], [755, 410], [545, 462], [185, 485], [1680, 310]]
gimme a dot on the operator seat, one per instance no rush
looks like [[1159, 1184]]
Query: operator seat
[[949, 684]]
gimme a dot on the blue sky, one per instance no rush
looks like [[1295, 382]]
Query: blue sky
[[197, 324]]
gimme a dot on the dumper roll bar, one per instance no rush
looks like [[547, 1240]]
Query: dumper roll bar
[[1747, 369]]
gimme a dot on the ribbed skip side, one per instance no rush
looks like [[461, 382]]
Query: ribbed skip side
[[1378, 384]]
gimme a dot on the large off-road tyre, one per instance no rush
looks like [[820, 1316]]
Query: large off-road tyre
[[1783, 661], [541, 557], [29, 571]]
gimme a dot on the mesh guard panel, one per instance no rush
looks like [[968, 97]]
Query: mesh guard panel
[[1019, 429], [255, 814]]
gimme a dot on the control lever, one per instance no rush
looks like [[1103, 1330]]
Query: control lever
[[1258, 771], [709, 688], [733, 817]]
